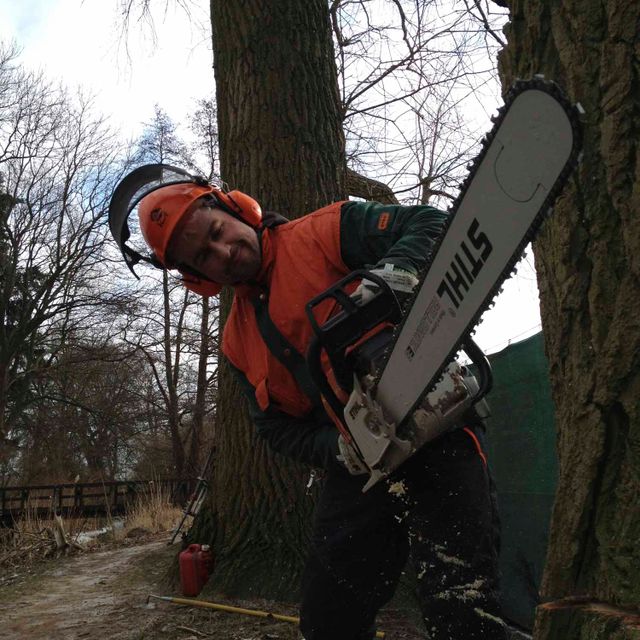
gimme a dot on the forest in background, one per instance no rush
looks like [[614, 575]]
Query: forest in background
[[102, 377]]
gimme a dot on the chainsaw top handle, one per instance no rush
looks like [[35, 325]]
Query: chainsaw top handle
[[342, 330], [481, 362], [353, 319]]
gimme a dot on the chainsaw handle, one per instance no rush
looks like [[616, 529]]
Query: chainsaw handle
[[353, 319], [349, 324], [319, 378], [480, 360]]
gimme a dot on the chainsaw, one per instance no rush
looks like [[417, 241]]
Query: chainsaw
[[396, 365]]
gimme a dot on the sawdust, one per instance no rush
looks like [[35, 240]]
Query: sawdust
[[465, 592], [443, 557], [397, 488], [484, 614]]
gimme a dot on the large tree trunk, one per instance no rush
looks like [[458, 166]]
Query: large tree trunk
[[280, 141], [588, 259]]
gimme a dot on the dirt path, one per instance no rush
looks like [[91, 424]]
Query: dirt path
[[102, 596], [97, 595]]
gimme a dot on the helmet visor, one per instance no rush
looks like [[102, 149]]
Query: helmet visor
[[131, 189]]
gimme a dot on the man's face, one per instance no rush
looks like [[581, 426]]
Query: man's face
[[219, 246]]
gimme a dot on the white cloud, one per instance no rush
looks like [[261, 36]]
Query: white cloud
[[81, 43]]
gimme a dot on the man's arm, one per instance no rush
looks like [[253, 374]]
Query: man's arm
[[373, 234], [312, 440]]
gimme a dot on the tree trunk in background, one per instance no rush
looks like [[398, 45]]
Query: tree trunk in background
[[281, 141], [588, 259], [171, 370], [196, 458]]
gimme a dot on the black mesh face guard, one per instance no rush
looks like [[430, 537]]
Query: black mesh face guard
[[131, 189]]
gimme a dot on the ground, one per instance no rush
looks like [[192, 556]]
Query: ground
[[103, 595]]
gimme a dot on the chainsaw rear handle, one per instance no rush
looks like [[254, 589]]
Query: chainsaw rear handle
[[321, 382]]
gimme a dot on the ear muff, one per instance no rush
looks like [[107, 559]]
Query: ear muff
[[239, 203], [201, 287]]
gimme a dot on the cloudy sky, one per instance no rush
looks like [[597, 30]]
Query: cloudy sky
[[81, 43]]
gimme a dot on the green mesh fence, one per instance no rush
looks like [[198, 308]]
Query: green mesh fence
[[522, 454]]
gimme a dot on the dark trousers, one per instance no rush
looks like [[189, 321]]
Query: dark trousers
[[439, 511]]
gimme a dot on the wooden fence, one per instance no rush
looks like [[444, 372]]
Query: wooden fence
[[85, 499]]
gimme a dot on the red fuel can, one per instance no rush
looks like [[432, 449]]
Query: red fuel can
[[196, 564]]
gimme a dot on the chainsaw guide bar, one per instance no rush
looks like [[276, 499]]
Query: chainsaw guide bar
[[512, 184]]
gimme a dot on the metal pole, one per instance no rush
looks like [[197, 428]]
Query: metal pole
[[229, 609]]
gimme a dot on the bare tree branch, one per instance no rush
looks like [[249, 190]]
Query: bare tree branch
[[360, 186], [485, 20]]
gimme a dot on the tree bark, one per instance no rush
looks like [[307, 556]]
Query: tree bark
[[588, 260], [281, 141]]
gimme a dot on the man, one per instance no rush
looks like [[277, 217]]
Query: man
[[437, 507]]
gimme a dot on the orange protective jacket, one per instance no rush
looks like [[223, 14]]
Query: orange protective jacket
[[267, 333]]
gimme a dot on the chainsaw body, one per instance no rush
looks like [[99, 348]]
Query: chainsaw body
[[381, 444]]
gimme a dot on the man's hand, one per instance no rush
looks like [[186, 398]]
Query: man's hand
[[400, 280], [349, 458]]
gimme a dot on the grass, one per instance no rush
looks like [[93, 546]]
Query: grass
[[31, 542], [152, 512]]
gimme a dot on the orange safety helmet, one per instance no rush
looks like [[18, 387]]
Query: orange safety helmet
[[161, 211], [163, 195]]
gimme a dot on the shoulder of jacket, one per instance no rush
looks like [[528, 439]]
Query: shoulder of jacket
[[328, 210], [331, 210]]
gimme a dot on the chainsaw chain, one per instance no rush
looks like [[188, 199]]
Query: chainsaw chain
[[573, 111]]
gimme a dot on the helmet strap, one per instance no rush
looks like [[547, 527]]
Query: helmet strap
[[183, 268], [211, 201]]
